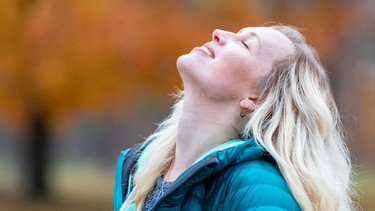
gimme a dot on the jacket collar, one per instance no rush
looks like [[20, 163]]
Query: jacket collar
[[230, 153]]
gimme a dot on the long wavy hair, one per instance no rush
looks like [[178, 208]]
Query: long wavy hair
[[296, 121]]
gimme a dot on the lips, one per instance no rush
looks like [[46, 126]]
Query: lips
[[206, 48]]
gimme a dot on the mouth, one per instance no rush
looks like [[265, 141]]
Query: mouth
[[206, 48]]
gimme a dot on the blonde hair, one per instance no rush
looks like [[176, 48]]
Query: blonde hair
[[159, 156], [296, 121]]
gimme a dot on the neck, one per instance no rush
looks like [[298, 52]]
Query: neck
[[201, 128]]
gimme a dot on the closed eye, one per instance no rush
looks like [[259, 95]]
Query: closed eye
[[245, 44]]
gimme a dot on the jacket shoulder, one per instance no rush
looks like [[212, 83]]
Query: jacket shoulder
[[125, 166], [118, 184], [256, 184]]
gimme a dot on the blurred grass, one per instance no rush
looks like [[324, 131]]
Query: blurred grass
[[73, 186], [86, 186]]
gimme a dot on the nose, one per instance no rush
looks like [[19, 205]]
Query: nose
[[222, 36]]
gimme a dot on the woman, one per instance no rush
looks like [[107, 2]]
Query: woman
[[256, 127]]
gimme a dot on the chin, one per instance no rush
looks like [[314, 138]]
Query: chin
[[184, 62]]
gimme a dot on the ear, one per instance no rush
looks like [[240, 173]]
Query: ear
[[248, 104]]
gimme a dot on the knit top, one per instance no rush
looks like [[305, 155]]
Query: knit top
[[160, 188]]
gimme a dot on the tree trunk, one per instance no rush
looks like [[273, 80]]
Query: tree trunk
[[37, 156]]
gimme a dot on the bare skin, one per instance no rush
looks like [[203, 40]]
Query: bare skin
[[220, 81]]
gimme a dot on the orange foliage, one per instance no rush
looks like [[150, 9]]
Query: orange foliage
[[61, 55]]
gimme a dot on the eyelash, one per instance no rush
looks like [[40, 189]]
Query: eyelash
[[245, 44]]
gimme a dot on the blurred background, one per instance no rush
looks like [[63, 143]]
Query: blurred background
[[82, 80]]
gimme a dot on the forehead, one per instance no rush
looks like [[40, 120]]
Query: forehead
[[265, 33], [270, 40]]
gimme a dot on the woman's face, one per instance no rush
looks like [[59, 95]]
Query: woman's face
[[232, 64]]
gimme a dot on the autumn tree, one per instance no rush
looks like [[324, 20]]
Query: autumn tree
[[58, 56]]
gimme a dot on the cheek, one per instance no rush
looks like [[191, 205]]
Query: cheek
[[234, 68], [236, 76], [226, 84]]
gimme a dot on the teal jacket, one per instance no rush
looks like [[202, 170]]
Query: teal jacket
[[238, 175]]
